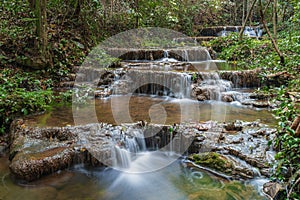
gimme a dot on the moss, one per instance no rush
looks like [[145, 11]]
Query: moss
[[213, 160]]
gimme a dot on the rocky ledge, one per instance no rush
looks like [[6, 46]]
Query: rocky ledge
[[240, 146]]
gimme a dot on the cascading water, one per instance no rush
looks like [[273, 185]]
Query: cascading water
[[212, 86], [126, 147], [156, 83]]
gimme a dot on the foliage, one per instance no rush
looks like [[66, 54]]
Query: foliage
[[247, 53], [21, 94]]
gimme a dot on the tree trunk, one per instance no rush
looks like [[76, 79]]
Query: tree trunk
[[244, 10], [269, 34], [275, 19], [41, 30], [245, 22], [136, 7], [40, 57]]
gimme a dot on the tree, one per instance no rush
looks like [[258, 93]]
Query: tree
[[280, 54], [41, 57]]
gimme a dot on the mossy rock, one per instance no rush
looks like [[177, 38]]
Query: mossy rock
[[213, 160]]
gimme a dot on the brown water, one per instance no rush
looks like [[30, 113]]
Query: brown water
[[127, 109], [176, 182]]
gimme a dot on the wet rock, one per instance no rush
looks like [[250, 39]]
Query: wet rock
[[242, 79], [260, 104], [213, 160], [106, 78], [234, 126], [242, 172], [36, 152], [259, 96], [102, 93], [201, 98], [227, 98], [31, 166], [273, 190]]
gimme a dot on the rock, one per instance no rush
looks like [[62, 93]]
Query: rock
[[202, 127], [213, 160], [259, 96], [242, 79], [233, 127], [35, 152], [67, 84], [260, 104], [30, 166], [201, 98], [227, 98], [273, 190]]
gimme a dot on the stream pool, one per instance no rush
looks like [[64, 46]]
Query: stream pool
[[176, 182], [159, 110]]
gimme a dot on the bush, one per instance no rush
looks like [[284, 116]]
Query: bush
[[21, 94]]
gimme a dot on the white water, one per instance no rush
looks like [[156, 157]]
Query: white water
[[214, 85]]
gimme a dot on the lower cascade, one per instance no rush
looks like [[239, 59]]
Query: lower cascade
[[126, 148]]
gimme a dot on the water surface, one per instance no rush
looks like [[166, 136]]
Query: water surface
[[174, 182], [160, 110]]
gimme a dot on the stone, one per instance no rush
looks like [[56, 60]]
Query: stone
[[213, 160], [201, 98], [272, 189], [260, 104], [233, 127], [227, 98]]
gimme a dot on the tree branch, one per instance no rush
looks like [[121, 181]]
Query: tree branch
[[245, 22], [270, 35]]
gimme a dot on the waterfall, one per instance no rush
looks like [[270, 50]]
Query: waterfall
[[212, 86], [185, 55], [160, 83], [140, 140], [122, 157], [127, 146]]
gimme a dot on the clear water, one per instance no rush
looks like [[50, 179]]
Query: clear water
[[160, 110], [174, 182]]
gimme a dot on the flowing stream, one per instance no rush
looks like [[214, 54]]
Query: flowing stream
[[163, 98], [175, 181]]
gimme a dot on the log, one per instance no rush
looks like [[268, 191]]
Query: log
[[295, 123], [297, 132]]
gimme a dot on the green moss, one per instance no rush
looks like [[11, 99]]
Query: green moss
[[213, 160]]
